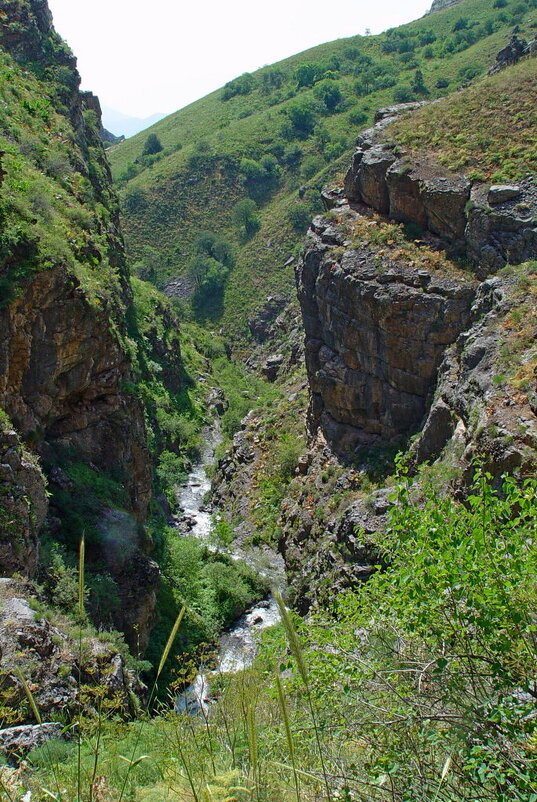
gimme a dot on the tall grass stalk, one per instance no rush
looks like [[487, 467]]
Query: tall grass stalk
[[187, 768], [97, 749], [165, 654], [29, 696], [298, 654], [252, 746], [288, 734], [4, 789], [39, 719], [81, 616]]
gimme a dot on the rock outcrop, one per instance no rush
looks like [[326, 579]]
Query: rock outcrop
[[52, 667], [23, 504], [16, 742], [486, 398], [475, 221], [61, 373], [376, 328], [440, 5]]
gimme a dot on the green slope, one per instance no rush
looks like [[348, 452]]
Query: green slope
[[297, 135]]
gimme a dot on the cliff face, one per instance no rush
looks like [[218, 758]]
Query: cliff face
[[380, 308], [60, 381], [440, 5], [23, 504], [66, 361], [400, 340], [376, 330], [490, 225]]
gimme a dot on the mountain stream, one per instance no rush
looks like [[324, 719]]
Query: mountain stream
[[237, 646]]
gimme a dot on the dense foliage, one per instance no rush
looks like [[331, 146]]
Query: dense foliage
[[419, 685]]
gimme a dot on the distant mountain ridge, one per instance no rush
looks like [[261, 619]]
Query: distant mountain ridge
[[122, 124]]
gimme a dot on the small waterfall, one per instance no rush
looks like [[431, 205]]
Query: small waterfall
[[237, 646]]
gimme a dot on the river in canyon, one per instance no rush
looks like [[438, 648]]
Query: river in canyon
[[237, 646]]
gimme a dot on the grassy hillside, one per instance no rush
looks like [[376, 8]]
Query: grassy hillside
[[468, 131], [267, 134]]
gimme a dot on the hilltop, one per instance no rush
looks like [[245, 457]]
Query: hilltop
[[276, 137]]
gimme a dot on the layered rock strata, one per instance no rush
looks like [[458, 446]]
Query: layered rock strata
[[376, 328], [489, 228]]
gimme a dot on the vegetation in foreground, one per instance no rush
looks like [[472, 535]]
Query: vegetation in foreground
[[419, 685]]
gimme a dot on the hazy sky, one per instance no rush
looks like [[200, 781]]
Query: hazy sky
[[148, 56]]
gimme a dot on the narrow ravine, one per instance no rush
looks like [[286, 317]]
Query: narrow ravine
[[237, 646]]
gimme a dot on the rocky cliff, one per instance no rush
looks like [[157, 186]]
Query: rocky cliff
[[381, 303], [377, 323], [439, 5], [68, 328], [417, 298]]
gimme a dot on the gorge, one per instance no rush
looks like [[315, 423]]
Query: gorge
[[291, 350]]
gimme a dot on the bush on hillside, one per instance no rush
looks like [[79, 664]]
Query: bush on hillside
[[271, 79], [301, 117], [403, 94], [246, 218], [329, 93], [242, 85], [215, 246], [152, 145], [357, 116], [308, 74]]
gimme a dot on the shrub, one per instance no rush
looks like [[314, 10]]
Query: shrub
[[469, 72], [299, 216], [301, 114], [242, 85], [271, 79], [308, 74], [311, 165], [418, 85], [357, 116], [329, 93], [152, 145], [246, 218], [460, 25], [403, 94], [134, 201], [201, 155], [215, 246]]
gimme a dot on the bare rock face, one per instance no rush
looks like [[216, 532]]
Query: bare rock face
[[376, 331], [18, 741], [440, 5], [501, 226], [475, 413], [324, 557], [431, 200], [61, 372], [23, 504], [366, 178]]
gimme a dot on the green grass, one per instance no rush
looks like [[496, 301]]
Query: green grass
[[55, 208], [170, 197], [468, 131], [420, 682]]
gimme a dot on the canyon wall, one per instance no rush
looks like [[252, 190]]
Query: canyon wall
[[67, 327]]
